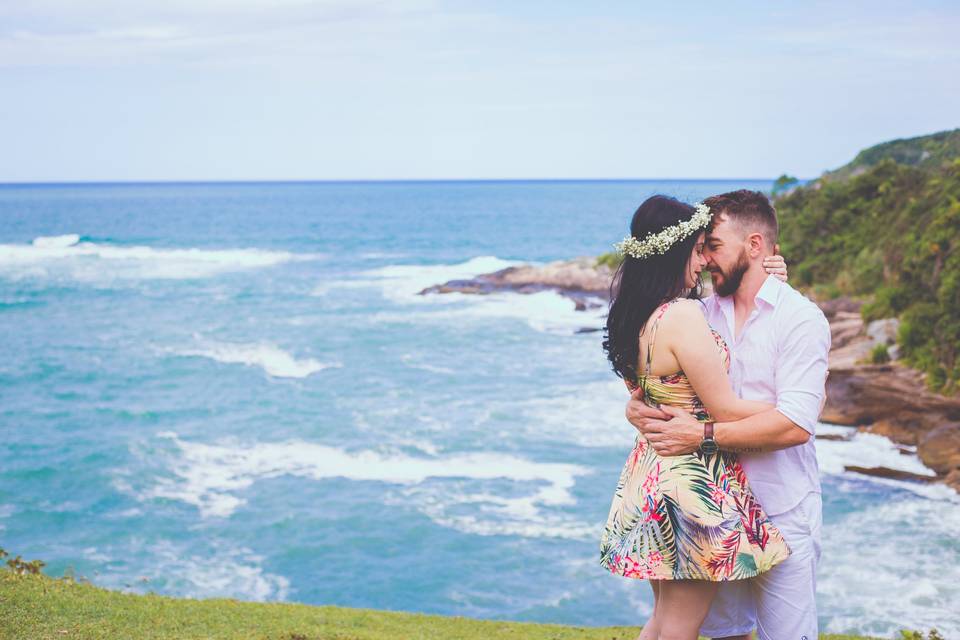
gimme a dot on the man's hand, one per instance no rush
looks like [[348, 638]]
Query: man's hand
[[670, 430], [639, 413], [675, 437]]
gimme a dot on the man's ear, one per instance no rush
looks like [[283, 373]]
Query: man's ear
[[756, 244]]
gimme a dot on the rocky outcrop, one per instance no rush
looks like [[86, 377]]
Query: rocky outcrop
[[580, 279], [888, 399]]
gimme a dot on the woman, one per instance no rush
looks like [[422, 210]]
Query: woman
[[685, 522]]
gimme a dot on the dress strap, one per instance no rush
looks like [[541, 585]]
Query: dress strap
[[653, 336], [653, 331]]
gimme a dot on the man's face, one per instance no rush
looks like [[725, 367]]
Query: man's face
[[726, 254]]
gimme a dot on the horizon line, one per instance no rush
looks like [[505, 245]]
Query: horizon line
[[368, 181]]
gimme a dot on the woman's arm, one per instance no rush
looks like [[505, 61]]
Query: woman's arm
[[688, 336]]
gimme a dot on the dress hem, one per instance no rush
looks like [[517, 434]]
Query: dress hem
[[700, 578]]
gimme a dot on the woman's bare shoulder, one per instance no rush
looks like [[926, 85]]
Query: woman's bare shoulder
[[687, 310], [684, 315]]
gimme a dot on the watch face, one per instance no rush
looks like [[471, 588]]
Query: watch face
[[708, 446]]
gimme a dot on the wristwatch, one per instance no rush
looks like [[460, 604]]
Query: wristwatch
[[708, 446]]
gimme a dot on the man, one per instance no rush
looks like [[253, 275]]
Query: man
[[779, 341]]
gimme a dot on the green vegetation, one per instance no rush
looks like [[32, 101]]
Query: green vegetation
[[880, 354], [612, 260], [35, 606], [20, 567], [917, 635], [930, 152], [886, 228], [783, 184]]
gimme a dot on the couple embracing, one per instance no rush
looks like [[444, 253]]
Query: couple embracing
[[718, 504]]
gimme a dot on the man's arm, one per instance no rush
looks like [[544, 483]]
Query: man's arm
[[801, 377], [766, 431], [800, 381]]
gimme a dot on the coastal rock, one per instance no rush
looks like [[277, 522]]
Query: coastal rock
[[839, 305], [580, 279], [940, 448], [889, 399], [893, 474], [845, 327], [883, 331]]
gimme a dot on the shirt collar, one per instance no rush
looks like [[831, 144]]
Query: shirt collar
[[769, 292]]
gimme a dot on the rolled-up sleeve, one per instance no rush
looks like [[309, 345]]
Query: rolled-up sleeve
[[801, 368]]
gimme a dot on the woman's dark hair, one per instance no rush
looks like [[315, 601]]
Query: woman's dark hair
[[640, 285]]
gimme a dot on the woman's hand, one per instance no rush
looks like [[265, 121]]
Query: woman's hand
[[776, 266]]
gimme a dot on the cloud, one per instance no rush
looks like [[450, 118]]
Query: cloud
[[49, 33], [920, 36], [429, 88], [264, 32]]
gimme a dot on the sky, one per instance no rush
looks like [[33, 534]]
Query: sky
[[120, 90]]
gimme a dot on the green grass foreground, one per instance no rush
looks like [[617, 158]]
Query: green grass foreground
[[40, 607]]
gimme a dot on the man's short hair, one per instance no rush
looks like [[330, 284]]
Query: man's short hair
[[750, 210]]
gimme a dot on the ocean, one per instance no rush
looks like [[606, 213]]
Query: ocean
[[234, 389]]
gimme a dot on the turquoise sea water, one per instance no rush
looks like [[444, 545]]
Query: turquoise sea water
[[235, 390]]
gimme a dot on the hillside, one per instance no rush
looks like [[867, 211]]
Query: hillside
[[886, 228], [928, 151]]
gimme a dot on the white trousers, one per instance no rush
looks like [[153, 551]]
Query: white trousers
[[779, 603]]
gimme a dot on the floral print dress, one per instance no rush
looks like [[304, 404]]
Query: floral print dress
[[688, 517]]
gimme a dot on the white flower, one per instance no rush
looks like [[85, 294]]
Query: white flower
[[660, 242]]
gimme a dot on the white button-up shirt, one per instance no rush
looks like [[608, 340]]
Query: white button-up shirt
[[780, 357]]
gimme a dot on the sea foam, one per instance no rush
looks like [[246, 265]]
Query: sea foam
[[69, 257], [48, 242], [223, 570], [877, 574], [210, 477], [402, 282], [863, 450], [271, 358], [544, 311]]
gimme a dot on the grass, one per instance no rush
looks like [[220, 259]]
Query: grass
[[35, 606]]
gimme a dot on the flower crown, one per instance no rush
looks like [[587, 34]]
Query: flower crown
[[658, 243]]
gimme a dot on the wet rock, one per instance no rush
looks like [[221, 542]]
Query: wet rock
[[893, 474], [940, 448], [892, 400], [580, 279]]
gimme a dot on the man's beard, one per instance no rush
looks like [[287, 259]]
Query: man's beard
[[732, 280]]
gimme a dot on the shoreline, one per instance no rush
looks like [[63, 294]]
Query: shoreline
[[888, 399]]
